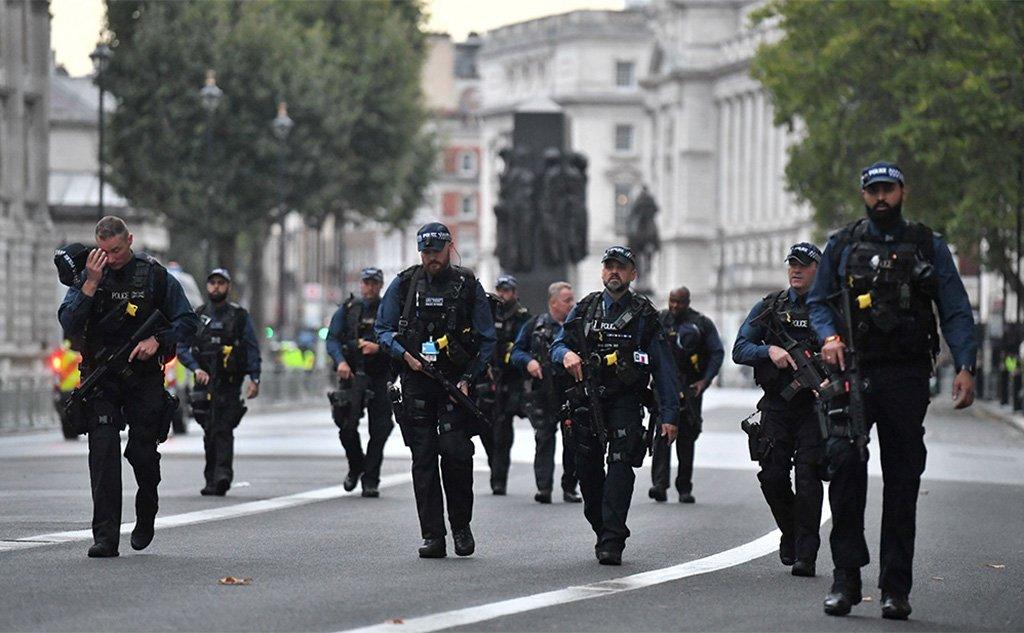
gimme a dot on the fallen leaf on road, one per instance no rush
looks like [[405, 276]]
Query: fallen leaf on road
[[996, 566], [398, 621], [868, 598], [231, 580]]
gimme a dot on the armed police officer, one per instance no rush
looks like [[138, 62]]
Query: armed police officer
[[120, 291], [224, 353], [546, 386], [697, 351], [435, 319], [363, 373], [506, 382], [612, 345], [873, 296], [776, 334]]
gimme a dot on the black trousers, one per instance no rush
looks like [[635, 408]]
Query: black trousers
[[661, 460], [545, 431], [226, 411], [438, 436], [896, 401], [137, 402], [380, 425], [498, 442], [606, 495], [795, 444]]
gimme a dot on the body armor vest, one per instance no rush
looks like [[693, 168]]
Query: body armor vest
[[220, 350], [892, 286], [686, 339], [123, 301], [795, 319], [359, 321], [542, 335], [439, 312], [616, 346], [507, 322]]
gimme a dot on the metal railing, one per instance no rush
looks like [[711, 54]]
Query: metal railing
[[26, 403]]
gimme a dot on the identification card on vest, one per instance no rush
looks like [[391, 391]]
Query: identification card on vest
[[640, 358], [429, 351]]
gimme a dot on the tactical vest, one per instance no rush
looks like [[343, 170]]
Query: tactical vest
[[686, 340], [440, 312], [892, 286], [123, 301], [617, 348], [507, 322], [359, 321], [542, 335], [795, 319], [221, 342]]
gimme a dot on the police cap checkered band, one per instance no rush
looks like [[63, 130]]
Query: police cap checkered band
[[371, 272], [219, 272], [805, 253], [506, 281], [433, 236], [619, 253], [880, 172]]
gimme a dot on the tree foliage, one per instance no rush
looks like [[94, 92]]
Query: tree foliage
[[936, 86], [349, 72]]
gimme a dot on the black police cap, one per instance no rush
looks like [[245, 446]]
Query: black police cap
[[880, 172], [804, 253], [372, 272], [506, 281], [70, 261], [432, 236], [619, 254]]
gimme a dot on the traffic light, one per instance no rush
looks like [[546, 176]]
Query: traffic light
[[268, 332], [57, 361], [323, 333]]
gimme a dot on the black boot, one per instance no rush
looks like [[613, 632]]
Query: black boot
[[658, 494], [845, 591], [542, 496], [571, 496], [102, 550], [804, 568], [464, 543], [787, 550], [433, 548], [351, 481], [895, 607], [608, 557], [142, 534], [371, 492]]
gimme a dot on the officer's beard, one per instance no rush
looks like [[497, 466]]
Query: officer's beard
[[885, 217], [616, 286], [217, 297]]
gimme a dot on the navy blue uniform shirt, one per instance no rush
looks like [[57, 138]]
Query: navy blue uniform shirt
[[75, 308], [336, 332], [386, 326], [521, 355], [252, 347], [663, 368], [750, 348], [955, 315]]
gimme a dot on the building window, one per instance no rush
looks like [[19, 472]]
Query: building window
[[467, 205], [625, 77], [623, 138], [467, 163], [623, 202]]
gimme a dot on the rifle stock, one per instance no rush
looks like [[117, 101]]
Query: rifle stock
[[453, 390]]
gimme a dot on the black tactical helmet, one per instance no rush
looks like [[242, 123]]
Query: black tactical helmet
[[70, 262]]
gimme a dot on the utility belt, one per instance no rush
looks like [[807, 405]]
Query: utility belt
[[84, 416], [405, 410], [349, 400], [591, 434], [207, 405]]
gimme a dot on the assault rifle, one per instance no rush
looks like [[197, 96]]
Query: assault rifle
[[847, 420], [108, 363], [453, 390], [350, 398], [810, 373]]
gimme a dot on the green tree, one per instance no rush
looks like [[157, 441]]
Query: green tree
[[936, 86], [349, 72]]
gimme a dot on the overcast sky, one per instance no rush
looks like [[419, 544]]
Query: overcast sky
[[77, 23]]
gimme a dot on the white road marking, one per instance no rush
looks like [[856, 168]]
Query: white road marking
[[209, 514], [481, 613]]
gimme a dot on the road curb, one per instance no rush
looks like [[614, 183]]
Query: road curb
[[1002, 413]]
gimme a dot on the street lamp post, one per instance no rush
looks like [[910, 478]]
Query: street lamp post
[[210, 96], [282, 126], [101, 60]]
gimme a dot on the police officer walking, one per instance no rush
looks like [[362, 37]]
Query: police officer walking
[[120, 291], [363, 374], [891, 272], [224, 353], [790, 433], [506, 381], [697, 351], [440, 312], [612, 345], [546, 388]]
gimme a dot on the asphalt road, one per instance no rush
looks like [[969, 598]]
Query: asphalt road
[[322, 560]]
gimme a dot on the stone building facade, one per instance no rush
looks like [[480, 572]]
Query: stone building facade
[[28, 284]]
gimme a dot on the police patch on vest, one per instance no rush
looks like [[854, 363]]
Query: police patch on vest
[[433, 302]]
